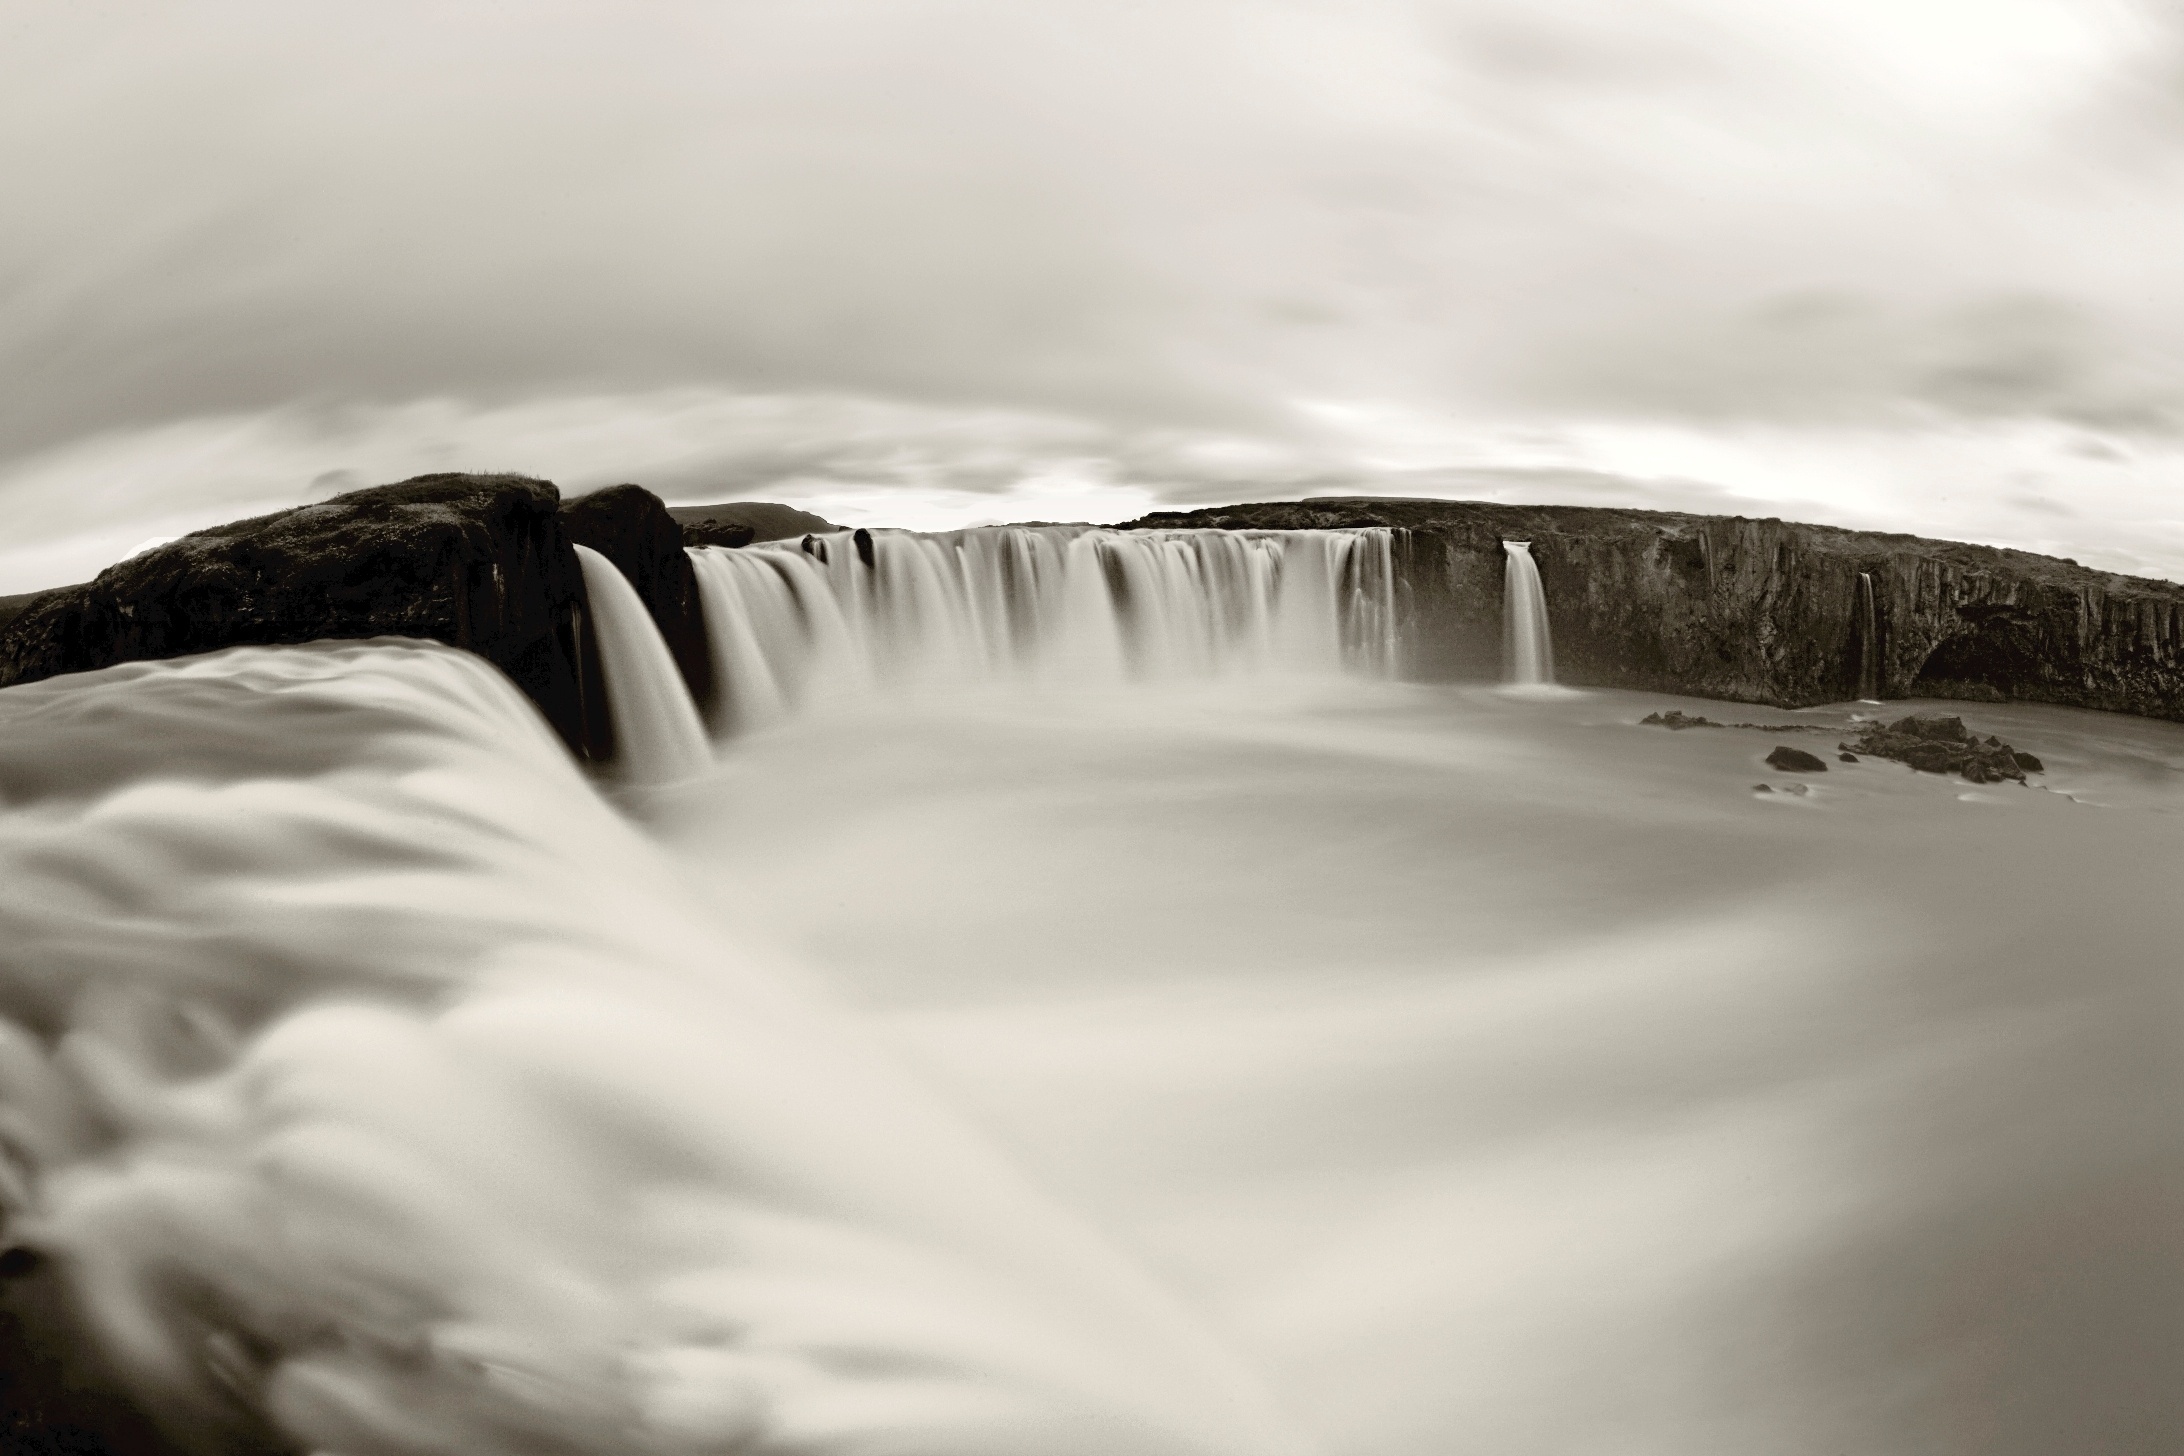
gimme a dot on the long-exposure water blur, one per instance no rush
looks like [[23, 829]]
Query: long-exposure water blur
[[1236, 1049]]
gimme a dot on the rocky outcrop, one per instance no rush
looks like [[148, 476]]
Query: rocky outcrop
[[1677, 720], [739, 523], [632, 528], [1933, 743], [1763, 611], [477, 561]]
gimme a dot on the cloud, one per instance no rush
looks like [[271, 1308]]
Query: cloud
[[1839, 356], [76, 508], [952, 251]]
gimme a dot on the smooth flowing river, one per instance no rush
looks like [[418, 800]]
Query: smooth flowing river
[[1505, 1076]]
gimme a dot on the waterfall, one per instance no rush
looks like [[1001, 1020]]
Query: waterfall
[[370, 1085], [657, 733], [795, 622], [1528, 649], [1869, 641]]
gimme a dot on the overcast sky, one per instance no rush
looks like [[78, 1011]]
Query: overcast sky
[[1915, 264]]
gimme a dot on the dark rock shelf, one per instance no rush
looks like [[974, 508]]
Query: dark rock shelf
[[482, 562]]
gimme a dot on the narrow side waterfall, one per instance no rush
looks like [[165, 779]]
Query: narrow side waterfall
[[1869, 641], [658, 735], [791, 625], [1528, 649]]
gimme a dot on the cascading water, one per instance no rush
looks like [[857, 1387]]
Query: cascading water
[[658, 735], [1058, 604], [1528, 650], [370, 1086], [1869, 641]]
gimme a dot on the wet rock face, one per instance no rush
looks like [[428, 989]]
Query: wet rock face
[[633, 528], [477, 561], [1933, 743], [1762, 611]]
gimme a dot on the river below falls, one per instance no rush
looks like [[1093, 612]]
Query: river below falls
[[1501, 1075], [1261, 1066]]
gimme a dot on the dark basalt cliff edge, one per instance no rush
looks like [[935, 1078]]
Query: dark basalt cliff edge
[[1762, 611], [482, 562], [633, 528]]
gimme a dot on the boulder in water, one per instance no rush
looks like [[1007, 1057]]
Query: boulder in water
[[1935, 727], [1795, 760], [1676, 719], [633, 528], [1939, 743]]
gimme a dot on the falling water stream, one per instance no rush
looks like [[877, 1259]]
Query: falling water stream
[[659, 737], [1087, 1007], [1055, 605], [1528, 650], [1869, 641]]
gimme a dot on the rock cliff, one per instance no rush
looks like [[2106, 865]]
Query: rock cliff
[[1763, 611], [477, 561]]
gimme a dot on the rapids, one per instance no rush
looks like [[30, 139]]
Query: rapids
[[1088, 1007]]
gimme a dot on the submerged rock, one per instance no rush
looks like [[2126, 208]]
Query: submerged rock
[[1940, 743], [1677, 719], [1794, 760]]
